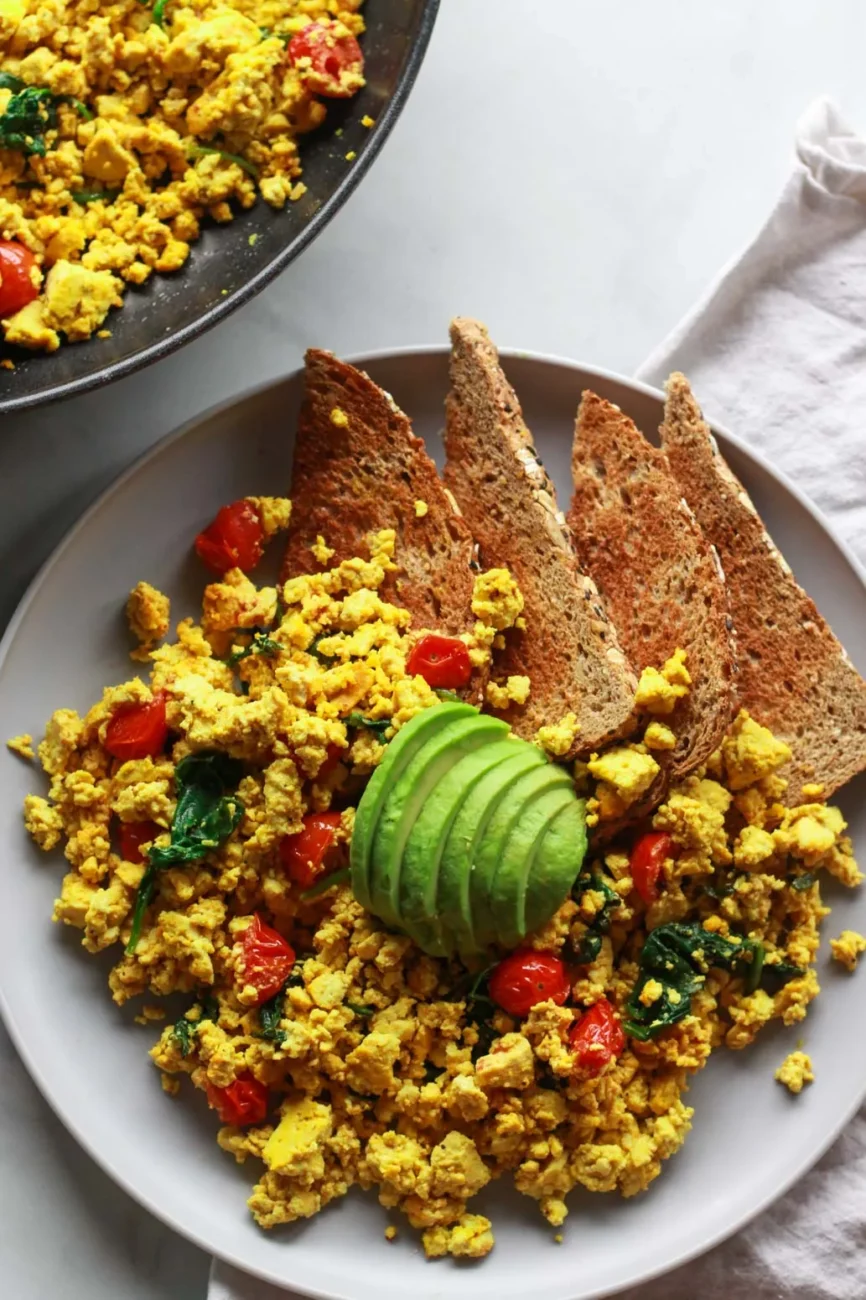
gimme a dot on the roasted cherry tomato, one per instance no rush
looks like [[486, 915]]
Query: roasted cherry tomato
[[443, 661], [137, 730], [328, 65], [597, 1037], [267, 959], [526, 977], [16, 286], [304, 854], [646, 861], [243, 1102], [133, 835], [333, 756], [235, 539]]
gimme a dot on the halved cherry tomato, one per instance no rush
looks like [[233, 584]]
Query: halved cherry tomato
[[267, 959], [137, 730], [646, 861], [243, 1102], [328, 65], [526, 977], [304, 854], [235, 539], [443, 661], [333, 755], [597, 1037], [16, 286], [133, 835]]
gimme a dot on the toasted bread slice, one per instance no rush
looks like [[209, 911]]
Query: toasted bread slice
[[794, 676], [358, 468], [568, 649], [660, 580]]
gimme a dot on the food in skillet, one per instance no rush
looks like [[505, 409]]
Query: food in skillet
[[347, 816], [125, 126]]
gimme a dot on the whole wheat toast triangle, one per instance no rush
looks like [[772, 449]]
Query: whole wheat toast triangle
[[358, 468], [569, 649], [660, 580], [794, 676]]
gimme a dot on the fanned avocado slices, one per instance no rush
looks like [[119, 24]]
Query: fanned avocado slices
[[488, 853], [453, 901], [523, 851], [407, 797], [397, 757], [421, 894], [552, 871]]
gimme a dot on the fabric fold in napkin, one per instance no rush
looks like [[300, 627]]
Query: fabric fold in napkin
[[776, 352]]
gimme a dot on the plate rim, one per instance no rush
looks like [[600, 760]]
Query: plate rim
[[361, 360]]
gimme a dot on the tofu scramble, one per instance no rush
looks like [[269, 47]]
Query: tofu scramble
[[206, 815], [124, 126]]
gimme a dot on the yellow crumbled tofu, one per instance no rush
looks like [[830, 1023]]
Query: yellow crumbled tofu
[[275, 513], [660, 690], [390, 1232], [368, 121], [296, 1143], [795, 1072], [847, 948], [339, 418], [21, 745], [351, 156], [421, 509], [470, 1238], [322, 553], [496, 599], [752, 848], [658, 736], [559, 737], [515, 690], [750, 752], [148, 613], [624, 773]]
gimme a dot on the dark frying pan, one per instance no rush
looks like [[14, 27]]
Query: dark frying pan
[[224, 269]]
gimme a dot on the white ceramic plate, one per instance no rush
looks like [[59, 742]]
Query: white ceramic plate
[[751, 1140]]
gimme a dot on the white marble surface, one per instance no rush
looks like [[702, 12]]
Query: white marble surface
[[574, 174]]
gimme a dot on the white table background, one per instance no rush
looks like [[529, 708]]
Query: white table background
[[574, 173]]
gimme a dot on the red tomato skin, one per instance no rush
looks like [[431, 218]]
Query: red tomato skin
[[245, 1101], [132, 835], [646, 861], [16, 287], [267, 959], [233, 540], [525, 978], [443, 662], [329, 57], [333, 755], [137, 730], [597, 1037], [304, 853]]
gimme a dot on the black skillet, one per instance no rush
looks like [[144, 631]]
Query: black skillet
[[225, 268]]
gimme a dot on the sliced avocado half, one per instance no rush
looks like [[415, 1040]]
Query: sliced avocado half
[[398, 755], [554, 867], [408, 794], [489, 849], [458, 862], [422, 888]]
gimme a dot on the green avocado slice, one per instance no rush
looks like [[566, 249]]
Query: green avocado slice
[[422, 888], [398, 755], [524, 842], [407, 796], [489, 849], [469, 827], [554, 867]]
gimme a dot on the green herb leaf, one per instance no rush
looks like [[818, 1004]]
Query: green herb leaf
[[270, 1015], [81, 109], [93, 196], [261, 644], [184, 1029], [600, 884], [588, 948], [804, 881], [198, 150], [327, 882], [364, 1012], [205, 816], [29, 114], [678, 956], [158, 15], [449, 695], [378, 725], [9, 82], [313, 647]]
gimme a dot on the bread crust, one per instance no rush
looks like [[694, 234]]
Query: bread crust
[[794, 676]]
